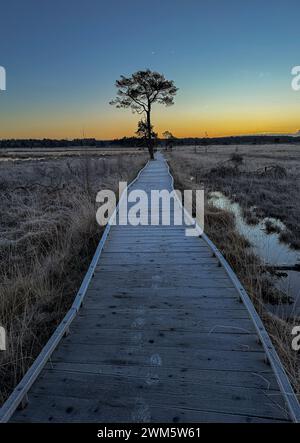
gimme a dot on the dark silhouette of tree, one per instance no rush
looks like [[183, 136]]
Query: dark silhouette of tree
[[142, 133], [140, 91], [237, 159], [168, 135], [142, 130], [170, 139]]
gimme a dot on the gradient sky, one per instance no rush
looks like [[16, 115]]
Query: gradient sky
[[231, 60]]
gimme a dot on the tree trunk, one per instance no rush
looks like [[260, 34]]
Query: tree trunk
[[150, 144]]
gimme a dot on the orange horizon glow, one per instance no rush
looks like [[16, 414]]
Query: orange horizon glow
[[187, 118], [126, 127], [62, 63]]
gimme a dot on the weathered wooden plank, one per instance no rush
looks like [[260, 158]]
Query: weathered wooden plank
[[153, 293], [120, 283], [157, 254], [156, 268], [142, 322], [132, 312], [166, 259], [162, 249], [149, 230], [98, 300], [121, 391], [157, 247], [150, 340], [262, 380], [72, 409], [169, 357], [155, 240], [169, 280], [163, 320], [150, 236], [146, 273]]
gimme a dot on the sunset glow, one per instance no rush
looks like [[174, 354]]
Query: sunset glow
[[233, 69]]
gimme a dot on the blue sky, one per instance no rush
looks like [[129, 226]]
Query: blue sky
[[230, 59]]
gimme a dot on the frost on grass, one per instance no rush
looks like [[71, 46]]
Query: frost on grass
[[264, 180], [48, 234]]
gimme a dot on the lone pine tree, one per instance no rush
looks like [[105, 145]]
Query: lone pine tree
[[140, 91]]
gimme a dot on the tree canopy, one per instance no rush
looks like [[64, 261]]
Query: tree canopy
[[140, 91]]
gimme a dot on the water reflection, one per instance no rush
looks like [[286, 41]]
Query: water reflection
[[270, 250], [21, 159]]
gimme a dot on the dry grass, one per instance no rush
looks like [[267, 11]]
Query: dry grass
[[25, 154], [265, 184], [48, 236], [191, 169]]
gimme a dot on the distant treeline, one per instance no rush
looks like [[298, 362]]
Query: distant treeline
[[137, 142], [50, 143], [196, 141]]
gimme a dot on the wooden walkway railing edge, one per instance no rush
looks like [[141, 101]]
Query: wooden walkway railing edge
[[263, 336]]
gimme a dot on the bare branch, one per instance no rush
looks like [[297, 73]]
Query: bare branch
[[140, 91]]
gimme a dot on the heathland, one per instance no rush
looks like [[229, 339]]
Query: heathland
[[265, 182], [49, 231], [48, 236]]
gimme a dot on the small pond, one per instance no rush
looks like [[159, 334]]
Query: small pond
[[270, 250]]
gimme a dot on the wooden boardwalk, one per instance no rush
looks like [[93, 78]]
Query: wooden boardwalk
[[162, 337]]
